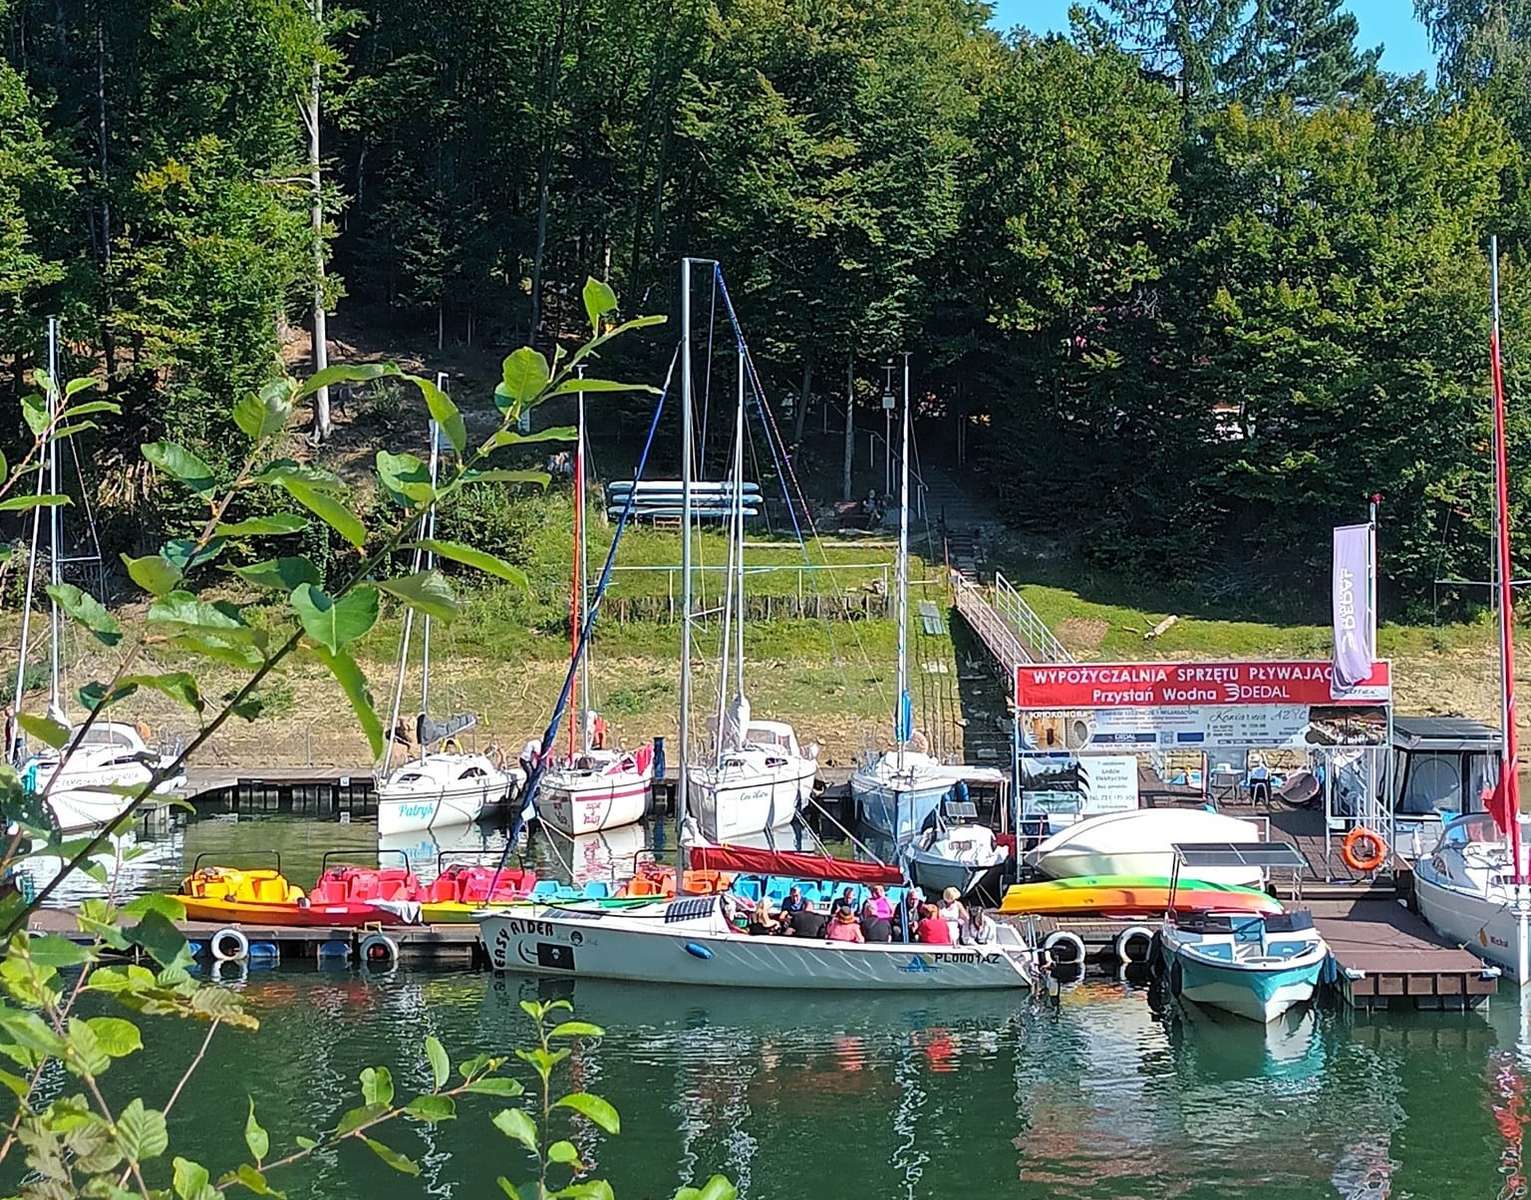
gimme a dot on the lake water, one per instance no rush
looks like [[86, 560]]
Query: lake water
[[1092, 1094]]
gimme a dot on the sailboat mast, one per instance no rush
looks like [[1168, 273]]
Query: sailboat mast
[[427, 561], [54, 625], [576, 584], [684, 738], [584, 569], [1508, 778], [739, 534], [899, 732]]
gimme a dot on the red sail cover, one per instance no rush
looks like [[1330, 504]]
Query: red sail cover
[[749, 861]]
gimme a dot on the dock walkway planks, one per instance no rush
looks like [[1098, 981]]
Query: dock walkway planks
[[1399, 957]]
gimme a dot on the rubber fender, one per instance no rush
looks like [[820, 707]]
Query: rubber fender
[[1177, 981], [265, 952], [697, 950], [198, 949], [379, 950], [229, 945], [1134, 944], [1064, 947], [334, 948]]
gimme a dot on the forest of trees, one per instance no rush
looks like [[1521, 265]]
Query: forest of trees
[[1201, 274]]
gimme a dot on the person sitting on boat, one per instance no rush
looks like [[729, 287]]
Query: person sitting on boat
[[761, 919], [877, 904], [805, 923], [979, 929], [909, 914], [794, 901], [844, 927], [847, 898], [932, 929], [953, 911]]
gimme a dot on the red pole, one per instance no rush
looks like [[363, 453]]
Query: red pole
[[1508, 799], [574, 589]]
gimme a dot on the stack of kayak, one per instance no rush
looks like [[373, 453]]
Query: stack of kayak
[[1132, 896]]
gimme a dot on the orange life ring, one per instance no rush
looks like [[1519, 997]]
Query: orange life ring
[[1354, 860]]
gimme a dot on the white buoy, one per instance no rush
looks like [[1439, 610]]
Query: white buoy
[[229, 945]]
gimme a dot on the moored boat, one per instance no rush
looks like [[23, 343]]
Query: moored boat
[[597, 791], [1252, 966], [1142, 841], [264, 897]]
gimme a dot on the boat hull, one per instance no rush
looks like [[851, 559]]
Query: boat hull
[[1140, 842], [738, 809], [591, 802], [287, 915], [1132, 896], [1485, 926], [895, 811], [699, 951], [933, 874], [420, 811], [77, 808], [1259, 995]]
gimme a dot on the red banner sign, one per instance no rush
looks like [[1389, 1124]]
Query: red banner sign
[[1053, 686]]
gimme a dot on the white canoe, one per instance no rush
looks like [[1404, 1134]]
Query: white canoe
[[1140, 842], [687, 941]]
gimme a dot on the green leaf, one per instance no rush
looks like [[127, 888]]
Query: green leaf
[[430, 1108], [62, 433], [284, 574], [75, 386], [276, 523], [425, 591], [508, 1188], [216, 618], [524, 375], [159, 937], [27, 503], [441, 1066], [593, 1108], [377, 1086], [117, 1037], [354, 684], [406, 479], [335, 623], [477, 559], [589, 1189], [596, 343], [516, 1125], [35, 409], [497, 1085], [306, 1143], [392, 1157], [187, 554], [86, 1055], [570, 386], [51, 950], [182, 464], [178, 685], [191, 1181], [155, 573], [252, 1180], [15, 1084], [91, 407], [30, 1031], [500, 475], [256, 1138], [285, 468], [167, 906], [443, 411], [716, 1188], [564, 1152], [357, 1117], [261, 414], [87, 610], [141, 1132], [350, 373], [576, 1029], [44, 729], [599, 301], [509, 437], [328, 509]]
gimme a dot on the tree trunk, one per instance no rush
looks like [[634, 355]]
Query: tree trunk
[[544, 169], [850, 422], [108, 342], [320, 341], [799, 417]]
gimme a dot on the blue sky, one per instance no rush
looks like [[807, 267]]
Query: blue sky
[[1390, 22]]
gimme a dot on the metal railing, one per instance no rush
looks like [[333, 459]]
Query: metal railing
[[805, 572], [1033, 632], [992, 629]]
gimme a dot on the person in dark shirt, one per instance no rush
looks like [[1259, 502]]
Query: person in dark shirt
[[907, 918], [846, 899], [875, 928], [806, 923], [794, 901]]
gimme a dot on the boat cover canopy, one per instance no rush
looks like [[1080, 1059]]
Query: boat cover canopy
[[749, 860]]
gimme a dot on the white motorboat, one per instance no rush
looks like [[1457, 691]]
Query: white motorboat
[[1466, 890], [440, 789], [599, 790], [689, 941], [1141, 842], [897, 792], [1252, 966], [761, 785], [963, 856], [112, 755]]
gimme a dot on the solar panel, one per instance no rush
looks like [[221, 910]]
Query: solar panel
[[1240, 854]]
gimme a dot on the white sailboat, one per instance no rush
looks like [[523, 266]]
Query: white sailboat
[[897, 791], [759, 777], [442, 787], [81, 793], [593, 788], [1473, 887]]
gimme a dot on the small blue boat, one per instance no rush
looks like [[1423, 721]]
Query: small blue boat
[[1252, 966]]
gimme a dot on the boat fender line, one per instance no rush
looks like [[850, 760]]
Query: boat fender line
[[697, 950], [1369, 859], [379, 950], [229, 945], [1064, 948], [1134, 944]]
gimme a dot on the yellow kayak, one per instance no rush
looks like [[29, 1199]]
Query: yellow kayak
[[1131, 896]]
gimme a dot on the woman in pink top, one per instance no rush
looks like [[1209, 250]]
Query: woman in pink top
[[878, 906], [845, 927]]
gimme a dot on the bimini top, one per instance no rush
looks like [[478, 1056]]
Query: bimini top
[[1262, 855], [1444, 734], [749, 860]]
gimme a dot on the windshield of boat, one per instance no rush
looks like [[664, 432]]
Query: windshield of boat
[[1475, 827], [109, 735]]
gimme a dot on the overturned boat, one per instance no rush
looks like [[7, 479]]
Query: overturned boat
[[1141, 842]]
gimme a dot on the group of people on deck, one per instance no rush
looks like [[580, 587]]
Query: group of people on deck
[[878, 919]]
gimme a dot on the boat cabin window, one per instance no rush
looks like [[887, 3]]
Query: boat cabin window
[[473, 773], [1432, 782], [98, 735]]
